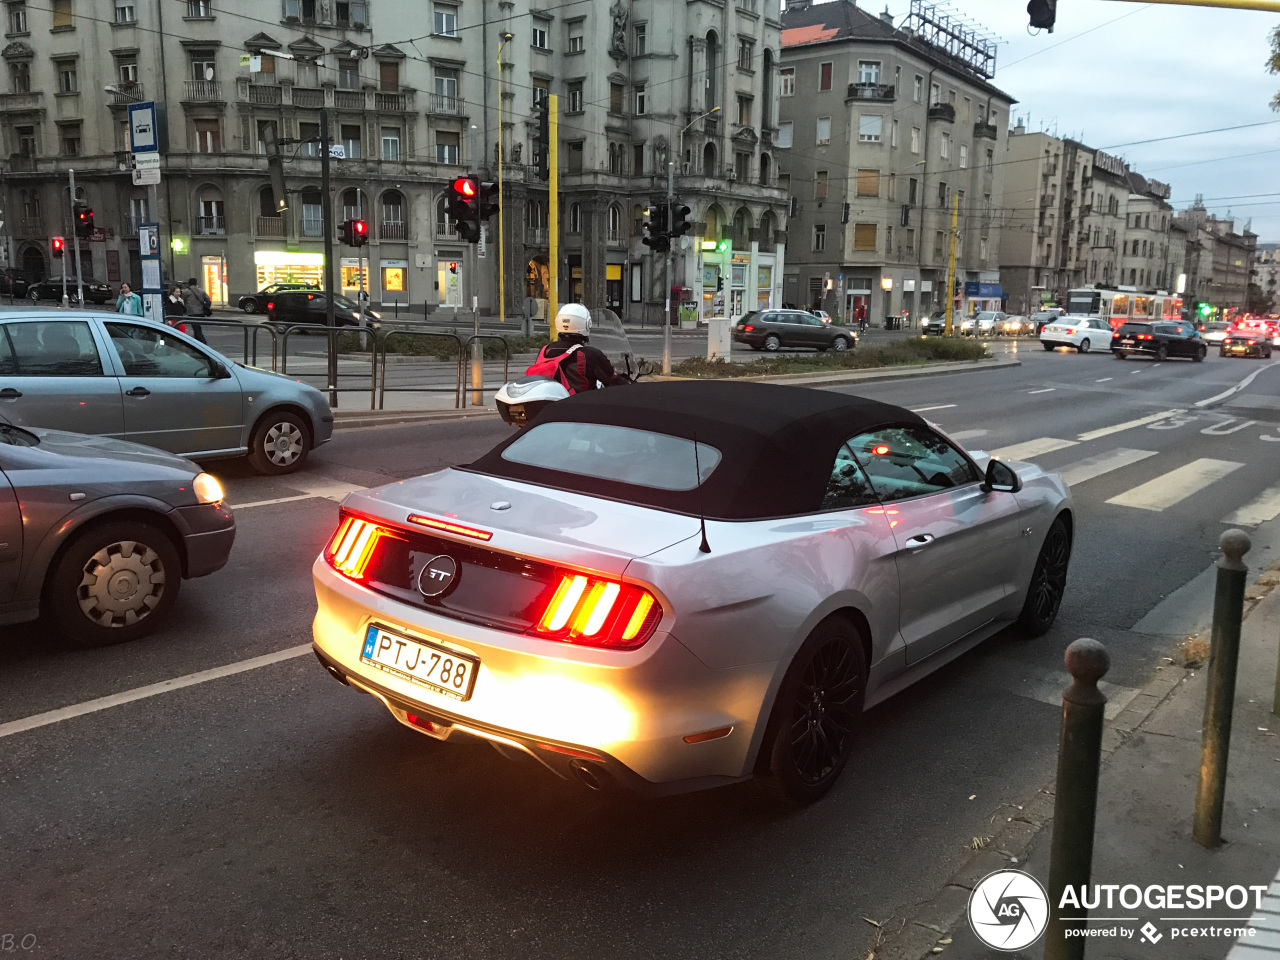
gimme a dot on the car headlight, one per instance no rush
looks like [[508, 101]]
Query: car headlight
[[207, 488]]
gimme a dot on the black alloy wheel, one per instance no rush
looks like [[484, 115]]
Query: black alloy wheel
[[249, 305], [1048, 581], [1162, 352], [772, 343], [819, 705]]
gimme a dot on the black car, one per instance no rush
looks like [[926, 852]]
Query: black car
[[308, 306], [13, 283], [51, 289], [1042, 318], [257, 302], [1247, 343], [771, 329], [936, 325], [1161, 340]]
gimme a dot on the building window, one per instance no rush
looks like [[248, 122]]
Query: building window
[[213, 217], [913, 190], [615, 158], [68, 79], [62, 14], [938, 243], [576, 42], [868, 183], [915, 139], [348, 74], [18, 18], [820, 185], [824, 76], [348, 12], [446, 20], [787, 82], [893, 133], [637, 158], [208, 136], [942, 194], [541, 90], [935, 93], [390, 143], [447, 148], [127, 69], [350, 137], [388, 76], [824, 130], [744, 111], [786, 133], [203, 65], [746, 54], [742, 166], [864, 236], [446, 80], [69, 134], [944, 147], [891, 192], [575, 156], [868, 71], [539, 34], [575, 218], [640, 39], [20, 77], [964, 155], [125, 12], [870, 128], [910, 242], [199, 9], [575, 97], [991, 119], [615, 98], [309, 134], [641, 109], [266, 131], [982, 248], [917, 88], [819, 237]]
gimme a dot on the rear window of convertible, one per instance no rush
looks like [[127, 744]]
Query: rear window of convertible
[[625, 454]]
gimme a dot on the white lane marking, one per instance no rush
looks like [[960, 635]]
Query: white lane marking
[[1045, 390], [1103, 379], [1032, 448], [150, 690], [1095, 466], [1238, 387], [964, 435], [1176, 485], [1127, 425], [268, 503], [940, 406], [334, 490], [1265, 508], [1222, 429]]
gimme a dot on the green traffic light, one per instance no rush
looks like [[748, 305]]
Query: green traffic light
[[1205, 309]]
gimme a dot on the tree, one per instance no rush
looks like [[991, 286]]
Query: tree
[[1273, 63], [1257, 300]]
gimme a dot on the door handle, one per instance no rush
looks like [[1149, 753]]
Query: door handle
[[138, 392], [920, 540], [8, 393]]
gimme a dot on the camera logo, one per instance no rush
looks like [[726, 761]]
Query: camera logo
[[1008, 910]]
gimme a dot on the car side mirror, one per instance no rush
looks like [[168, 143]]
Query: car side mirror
[[220, 371], [1001, 478]]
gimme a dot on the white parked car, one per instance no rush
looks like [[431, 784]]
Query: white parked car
[[823, 316], [984, 324], [1081, 333]]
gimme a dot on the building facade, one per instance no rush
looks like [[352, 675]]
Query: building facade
[[414, 98], [1219, 260], [887, 130]]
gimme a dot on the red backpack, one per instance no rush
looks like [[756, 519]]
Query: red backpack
[[553, 367]]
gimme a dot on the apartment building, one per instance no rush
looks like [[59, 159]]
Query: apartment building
[[414, 99], [887, 127], [1219, 261]]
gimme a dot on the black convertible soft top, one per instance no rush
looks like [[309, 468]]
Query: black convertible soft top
[[777, 443]]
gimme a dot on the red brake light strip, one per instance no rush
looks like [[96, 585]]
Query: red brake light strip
[[448, 526]]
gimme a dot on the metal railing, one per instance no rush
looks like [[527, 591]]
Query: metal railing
[[270, 226], [444, 103], [392, 230], [250, 329], [333, 373], [204, 91], [456, 389]]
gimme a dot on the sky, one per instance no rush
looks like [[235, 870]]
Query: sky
[[1142, 71]]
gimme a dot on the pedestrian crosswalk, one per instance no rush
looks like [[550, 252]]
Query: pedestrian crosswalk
[[1175, 486]]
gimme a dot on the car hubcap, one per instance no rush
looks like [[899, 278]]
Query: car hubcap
[[1050, 578], [840, 345], [283, 444], [122, 583], [826, 708], [772, 343]]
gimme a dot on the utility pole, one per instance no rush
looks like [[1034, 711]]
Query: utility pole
[[75, 236], [666, 312], [553, 209], [951, 262], [326, 225]]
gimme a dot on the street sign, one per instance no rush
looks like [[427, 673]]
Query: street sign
[[143, 136], [482, 247], [99, 235], [145, 161], [147, 176]]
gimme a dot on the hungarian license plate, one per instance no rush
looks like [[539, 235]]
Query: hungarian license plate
[[434, 667], [1127, 342]]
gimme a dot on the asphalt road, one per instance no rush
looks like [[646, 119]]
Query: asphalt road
[[274, 813]]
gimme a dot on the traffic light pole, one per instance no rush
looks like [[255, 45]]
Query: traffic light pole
[[326, 225], [75, 233], [666, 313], [951, 264]]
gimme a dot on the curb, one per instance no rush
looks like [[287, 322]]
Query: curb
[[922, 930], [348, 419]]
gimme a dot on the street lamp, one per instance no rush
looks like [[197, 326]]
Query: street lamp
[[886, 284], [687, 126], [502, 286]]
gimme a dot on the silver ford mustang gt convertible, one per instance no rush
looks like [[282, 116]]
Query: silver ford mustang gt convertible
[[678, 585]]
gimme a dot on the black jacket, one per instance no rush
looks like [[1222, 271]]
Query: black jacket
[[598, 365]]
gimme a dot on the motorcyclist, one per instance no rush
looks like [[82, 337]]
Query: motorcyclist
[[570, 358]]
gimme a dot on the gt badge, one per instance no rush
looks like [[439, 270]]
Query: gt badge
[[437, 575]]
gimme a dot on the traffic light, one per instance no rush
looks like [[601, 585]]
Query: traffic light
[[719, 282], [543, 144], [1205, 309], [489, 200], [464, 207], [84, 219], [355, 233], [680, 224], [655, 226], [453, 266], [59, 248], [1042, 13]]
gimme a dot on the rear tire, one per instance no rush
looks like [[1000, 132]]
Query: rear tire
[[249, 306], [1119, 354], [1200, 355], [818, 709], [772, 343], [1048, 581], [839, 344], [1047, 346], [1162, 353], [116, 582], [280, 443], [1084, 346]]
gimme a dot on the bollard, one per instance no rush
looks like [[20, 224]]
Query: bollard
[[1076, 801], [1224, 654]]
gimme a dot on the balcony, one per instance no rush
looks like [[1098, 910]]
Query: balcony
[[203, 91], [446, 230], [270, 226], [308, 98], [393, 230], [266, 94], [21, 102], [540, 236], [393, 102], [987, 130], [29, 227], [943, 111], [22, 163], [711, 126], [444, 104], [211, 226], [348, 99], [883, 92], [125, 93]]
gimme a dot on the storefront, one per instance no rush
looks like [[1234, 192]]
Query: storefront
[[395, 281], [288, 266], [449, 283], [213, 278], [613, 287], [979, 296], [355, 276]]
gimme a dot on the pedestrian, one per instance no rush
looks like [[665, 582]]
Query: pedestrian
[[197, 304], [128, 302], [175, 308]]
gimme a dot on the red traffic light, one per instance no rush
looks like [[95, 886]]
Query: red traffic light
[[360, 227], [465, 186], [59, 247], [453, 266]]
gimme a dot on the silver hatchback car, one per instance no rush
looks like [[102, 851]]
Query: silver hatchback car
[[128, 378]]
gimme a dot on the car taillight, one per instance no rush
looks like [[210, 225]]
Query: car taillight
[[353, 546], [1251, 342], [1144, 336], [1071, 329], [747, 327], [270, 305], [600, 612]]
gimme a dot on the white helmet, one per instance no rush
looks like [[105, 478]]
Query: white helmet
[[573, 318]]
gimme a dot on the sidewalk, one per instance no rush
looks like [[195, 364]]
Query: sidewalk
[[1143, 835]]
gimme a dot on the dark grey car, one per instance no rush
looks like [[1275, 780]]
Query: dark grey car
[[96, 535]]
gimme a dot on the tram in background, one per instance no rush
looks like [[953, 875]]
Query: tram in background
[[1120, 306]]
